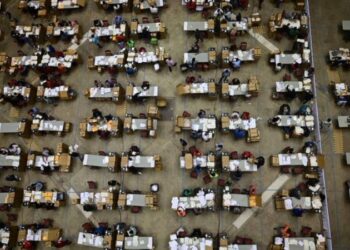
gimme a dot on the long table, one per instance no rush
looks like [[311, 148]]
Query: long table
[[204, 161], [346, 25], [141, 200], [43, 197], [92, 125], [239, 247], [67, 4], [296, 243], [101, 161], [196, 88], [202, 199], [132, 91], [243, 165], [49, 125], [196, 124], [17, 90], [28, 31], [57, 30], [13, 127], [144, 5], [108, 31], [233, 124], [298, 160], [45, 234], [306, 203], [109, 61], [202, 57], [24, 61], [244, 56], [297, 86], [93, 240], [138, 242], [66, 61], [239, 25], [296, 120], [191, 243], [139, 161], [343, 121], [101, 199], [198, 25], [10, 161], [151, 27], [40, 161], [288, 59], [7, 198], [240, 200]]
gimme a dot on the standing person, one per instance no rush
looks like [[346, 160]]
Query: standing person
[[13, 177], [61, 243], [96, 40], [278, 3], [171, 63], [260, 4], [225, 74], [325, 125], [183, 143], [198, 35]]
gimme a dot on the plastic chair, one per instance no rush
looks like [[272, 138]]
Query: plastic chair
[[245, 116], [135, 210], [234, 155], [131, 44], [194, 174], [236, 191], [142, 50], [92, 184], [156, 19], [145, 19], [221, 182], [285, 170], [306, 231], [243, 46], [154, 41], [207, 179], [186, 114]]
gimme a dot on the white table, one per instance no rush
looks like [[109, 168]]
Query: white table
[[138, 242], [9, 127], [142, 161], [346, 25], [193, 26], [92, 240], [115, 60], [200, 57], [244, 56], [10, 161], [152, 91]]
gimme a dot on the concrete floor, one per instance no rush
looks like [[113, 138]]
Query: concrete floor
[[163, 222]]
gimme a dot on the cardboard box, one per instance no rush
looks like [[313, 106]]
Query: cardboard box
[[129, 90], [225, 122], [225, 89], [212, 88], [40, 91], [124, 161], [122, 200], [225, 159], [223, 242], [188, 161], [274, 161]]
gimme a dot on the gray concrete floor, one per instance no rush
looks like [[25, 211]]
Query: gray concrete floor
[[163, 222]]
